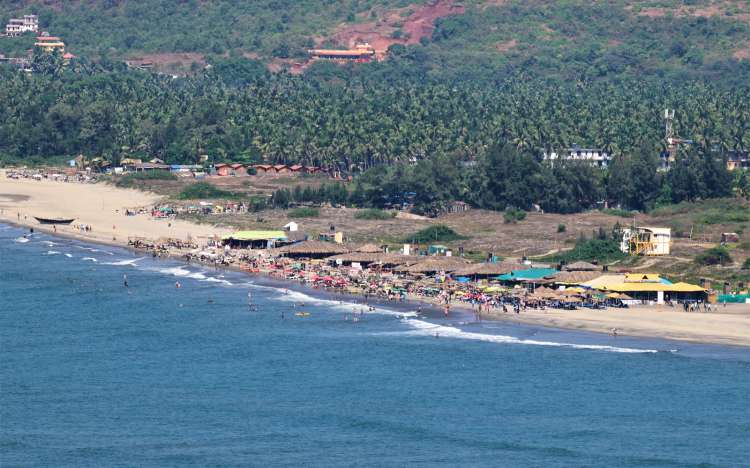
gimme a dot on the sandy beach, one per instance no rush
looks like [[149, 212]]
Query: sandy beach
[[728, 325], [102, 207]]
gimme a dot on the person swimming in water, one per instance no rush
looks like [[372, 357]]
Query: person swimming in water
[[125, 280]]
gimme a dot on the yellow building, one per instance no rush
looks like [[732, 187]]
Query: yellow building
[[50, 43]]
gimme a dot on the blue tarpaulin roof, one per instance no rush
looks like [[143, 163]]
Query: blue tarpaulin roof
[[530, 274]]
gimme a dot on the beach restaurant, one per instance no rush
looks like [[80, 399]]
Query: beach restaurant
[[254, 239], [647, 287]]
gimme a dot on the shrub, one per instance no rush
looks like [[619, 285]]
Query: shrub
[[617, 212], [513, 215], [434, 233], [204, 190], [304, 212], [561, 228], [375, 214], [714, 256], [746, 264], [131, 180], [589, 250]]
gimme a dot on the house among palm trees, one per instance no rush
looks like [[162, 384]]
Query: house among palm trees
[[48, 43], [738, 160], [18, 26], [594, 157]]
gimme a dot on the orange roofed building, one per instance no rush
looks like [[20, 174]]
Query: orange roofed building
[[360, 53], [50, 43]]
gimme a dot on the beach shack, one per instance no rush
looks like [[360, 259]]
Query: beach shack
[[237, 170], [262, 168], [223, 169], [437, 249], [312, 249], [648, 287], [528, 277], [254, 239]]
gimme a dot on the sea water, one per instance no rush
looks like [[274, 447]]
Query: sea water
[[94, 373]]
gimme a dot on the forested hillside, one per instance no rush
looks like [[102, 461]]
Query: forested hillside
[[475, 38], [464, 106]]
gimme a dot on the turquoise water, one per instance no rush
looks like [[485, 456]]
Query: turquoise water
[[95, 374]]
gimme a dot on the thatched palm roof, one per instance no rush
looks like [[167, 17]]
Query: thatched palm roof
[[369, 248], [433, 264], [365, 257], [581, 266], [574, 277], [313, 247], [489, 269]]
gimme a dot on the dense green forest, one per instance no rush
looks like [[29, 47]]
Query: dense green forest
[[445, 119], [572, 39], [350, 121]]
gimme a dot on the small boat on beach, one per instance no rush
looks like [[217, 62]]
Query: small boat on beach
[[54, 220]]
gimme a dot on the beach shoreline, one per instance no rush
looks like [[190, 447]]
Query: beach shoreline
[[725, 326]]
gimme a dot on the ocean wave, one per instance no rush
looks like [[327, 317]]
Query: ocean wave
[[218, 280], [124, 262], [422, 328], [50, 243], [52, 252], [89, 259], [179, 272], [69, 255], [91, 249], [288, 295], [21, 240]]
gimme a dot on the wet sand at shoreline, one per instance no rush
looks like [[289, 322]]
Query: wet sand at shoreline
[[102, 206]]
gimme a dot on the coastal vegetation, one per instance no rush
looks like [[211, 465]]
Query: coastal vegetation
[[714, 256], [434, 233], [204, 190], [304, 212], [133, 179], [373, 213]]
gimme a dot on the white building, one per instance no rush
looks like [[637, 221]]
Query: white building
[[18, 26], [593, 157], [648, 241], [291, 227]]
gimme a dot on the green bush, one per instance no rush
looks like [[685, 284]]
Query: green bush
[[512, 216], [714, 256], [304, 212], [746, 264], [561, 228], [436, 233], [375, 214], [131, 180], [200, 190], [589, 250], [617, 212]]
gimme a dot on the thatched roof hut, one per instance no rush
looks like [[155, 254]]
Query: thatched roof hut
[[367, 258], [369, 248], [489, 269], [312, 249], [574, 277], [581, 266], [435, 264]]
